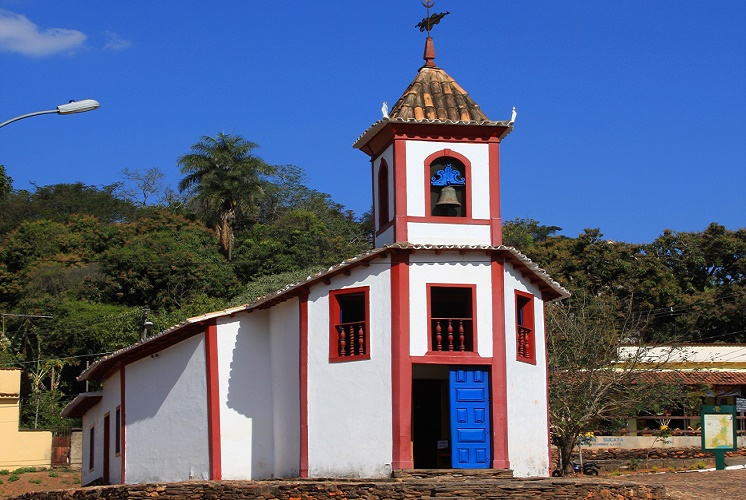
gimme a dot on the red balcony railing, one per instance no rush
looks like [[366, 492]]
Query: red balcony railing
[[352, 339], [452, 334]]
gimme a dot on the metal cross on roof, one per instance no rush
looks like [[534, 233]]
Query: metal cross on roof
[[427, 23]]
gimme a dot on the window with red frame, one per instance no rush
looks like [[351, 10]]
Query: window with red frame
[[349, 321], [524, 327], [383, 194], [451, 318]]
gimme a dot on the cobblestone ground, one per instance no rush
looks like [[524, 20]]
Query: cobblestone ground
[[710, 485]]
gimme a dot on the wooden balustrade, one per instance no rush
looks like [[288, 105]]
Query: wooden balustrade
[[523, 342], [458, 334], [352, 339]]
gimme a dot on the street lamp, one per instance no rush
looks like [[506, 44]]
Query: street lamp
[[63, 109]]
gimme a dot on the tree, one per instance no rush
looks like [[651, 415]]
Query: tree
[[6, 184], [597, 370], [163, 261], [523, 234], [226, 180], [139, 185]]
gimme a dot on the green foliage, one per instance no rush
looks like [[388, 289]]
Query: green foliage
[[13, 478], [268, 284], [296, 240], [35, 481], [165, 266], [226, 181], [22, 470], [53, 473], [523, 234], [4, 472]]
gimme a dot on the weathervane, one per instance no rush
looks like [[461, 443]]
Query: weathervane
[[427, 23]]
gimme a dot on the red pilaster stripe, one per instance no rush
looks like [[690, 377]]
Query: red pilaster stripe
[[213, 400], [303, 306], [401, 365], [500, 458], [400, 190], [496, 222], [122, 422]]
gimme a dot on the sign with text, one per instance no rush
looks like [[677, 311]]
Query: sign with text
[[741, 404], [719, 428]]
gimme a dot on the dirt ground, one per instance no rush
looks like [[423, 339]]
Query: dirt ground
[[693, 485], [49, 479]]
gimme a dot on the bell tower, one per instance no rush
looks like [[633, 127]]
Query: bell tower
[[435, 162]]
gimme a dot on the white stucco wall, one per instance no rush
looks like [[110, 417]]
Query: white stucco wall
[[285, 354], [349, 403], [478, 155], [448, 234], [95, 417], [449, 268], [528, 447], [259, 387], [246, 429], [166, 415]]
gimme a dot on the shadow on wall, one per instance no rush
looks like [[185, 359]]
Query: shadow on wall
[[250, 391], [165, 370]]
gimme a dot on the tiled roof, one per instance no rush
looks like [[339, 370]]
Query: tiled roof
[[81, 404], [434, 96], [192, 326]]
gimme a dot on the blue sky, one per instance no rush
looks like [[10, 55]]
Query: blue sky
[[630, 113]]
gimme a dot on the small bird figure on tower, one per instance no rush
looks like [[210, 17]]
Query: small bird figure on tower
[[427, 23], [385, 110], [513, 115]]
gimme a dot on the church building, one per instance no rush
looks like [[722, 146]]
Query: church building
[[426, 352]]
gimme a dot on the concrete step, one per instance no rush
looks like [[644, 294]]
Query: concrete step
[[452, 474]]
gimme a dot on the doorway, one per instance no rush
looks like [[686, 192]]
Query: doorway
[[450, 417]]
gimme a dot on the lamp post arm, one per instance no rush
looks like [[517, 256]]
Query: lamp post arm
[[50, 111]]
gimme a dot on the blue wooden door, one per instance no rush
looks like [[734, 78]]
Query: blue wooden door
[[470, 418]]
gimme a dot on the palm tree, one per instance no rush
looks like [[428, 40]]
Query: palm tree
[[225, 178]]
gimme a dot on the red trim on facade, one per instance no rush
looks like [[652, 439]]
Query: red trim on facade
[[383, 228], [468, 358], [382, 194], [303, 313], [401, 364], [123, 422], [213, 400], [496, 221], [400, 190], [500, 458], [474, 333], [449, 220], [466, 175], [334, 313], [546, 363], [528, 321]]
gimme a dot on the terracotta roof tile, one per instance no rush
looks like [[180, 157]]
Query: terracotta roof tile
[[434, 95]]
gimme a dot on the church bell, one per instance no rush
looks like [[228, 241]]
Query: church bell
[[448, 197]]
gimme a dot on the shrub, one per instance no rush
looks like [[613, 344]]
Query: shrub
[[53, 473], [14, 477], [76, 480], [701, 464], [4, 472], [35, 481], [21, 470]]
